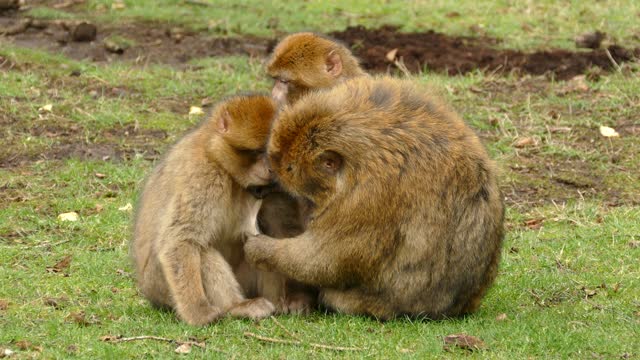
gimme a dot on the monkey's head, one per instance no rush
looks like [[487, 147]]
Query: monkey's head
[[243, 124], [306, 61], [303, 152]]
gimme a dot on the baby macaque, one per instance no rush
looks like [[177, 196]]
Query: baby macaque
[[195, 210], [405, 215], [306, 61]]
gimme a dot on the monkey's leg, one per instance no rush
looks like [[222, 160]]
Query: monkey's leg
[[303, 259], [224, 291], [357, 302], [181, 263]]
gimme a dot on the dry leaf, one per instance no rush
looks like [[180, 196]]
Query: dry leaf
[[109, 338], [632, 244], [4, 304], [560, 129], [501, 317], [100, 175], [534, 224], [127, 207], [464, 341], [576, 84], [56, 303], [183, 349], [5, 352], [61, 265], [524, 142], [608, 132], [23, 344], [70, 216], [391, 55], [46, 108], [98, 208], [118, 5], [195, 110], [80, 318]]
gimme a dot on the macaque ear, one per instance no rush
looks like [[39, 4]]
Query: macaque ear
[[334, 64], [223, 121], [330, 162]]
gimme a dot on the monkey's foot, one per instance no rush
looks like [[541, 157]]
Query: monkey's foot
[[200, 315], [254, 309], [298, 304]]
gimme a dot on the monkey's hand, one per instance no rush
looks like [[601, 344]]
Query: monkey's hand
[[259, 251]]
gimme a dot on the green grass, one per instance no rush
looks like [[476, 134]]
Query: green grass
[[570, 289]]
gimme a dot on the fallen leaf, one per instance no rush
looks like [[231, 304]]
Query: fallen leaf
[[501, 317], [589, 292], [534, 224], [391, 55], [632, 244], [118, 5], [577, 84], [109, 338], [72, 349], [100, 175], [5, 352], [70, 216], [453, 14], [61, 265], [80, 318], [206, 102], [56, 303], [23, 344], [122, 272], [127, 207], [46, 108], [195, 110], [524, 142], [608, 132], [560, 129], [464, 341], [98, 208], [4, 304], [183, 349]]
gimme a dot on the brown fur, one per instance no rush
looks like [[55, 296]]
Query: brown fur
[[407, 217], [300, 63], [195, 210], [307, 61]]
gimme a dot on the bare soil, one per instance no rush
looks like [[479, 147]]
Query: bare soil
[[154, 43]]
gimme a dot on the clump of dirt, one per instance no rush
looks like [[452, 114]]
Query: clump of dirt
[[459, 55]]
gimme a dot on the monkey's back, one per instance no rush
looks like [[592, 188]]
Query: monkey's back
[[418, 190]]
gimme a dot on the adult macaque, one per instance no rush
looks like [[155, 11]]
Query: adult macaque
[[406, 215]]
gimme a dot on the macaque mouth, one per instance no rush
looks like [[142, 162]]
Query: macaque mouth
[[261, 191]]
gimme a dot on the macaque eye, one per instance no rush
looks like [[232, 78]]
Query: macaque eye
[[282, 81]]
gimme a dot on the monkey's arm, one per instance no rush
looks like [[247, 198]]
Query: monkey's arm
[[302, 258]]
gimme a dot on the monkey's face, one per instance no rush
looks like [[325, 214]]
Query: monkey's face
[[303, 158], [244, 125]]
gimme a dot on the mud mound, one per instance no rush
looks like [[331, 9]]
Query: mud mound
[[459, 55]]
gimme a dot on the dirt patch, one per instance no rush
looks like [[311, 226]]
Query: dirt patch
[[460, 55], [70, 141], [139, 42], [155, 43]]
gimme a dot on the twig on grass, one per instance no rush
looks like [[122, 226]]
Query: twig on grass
[[119, 339], [299, 343], [292, 335], [399, 63]]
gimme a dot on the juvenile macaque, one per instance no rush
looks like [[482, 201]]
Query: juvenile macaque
[[406, 217], [195, 210], [307, 61]]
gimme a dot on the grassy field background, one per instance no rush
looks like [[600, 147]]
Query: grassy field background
[[569, 283]]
